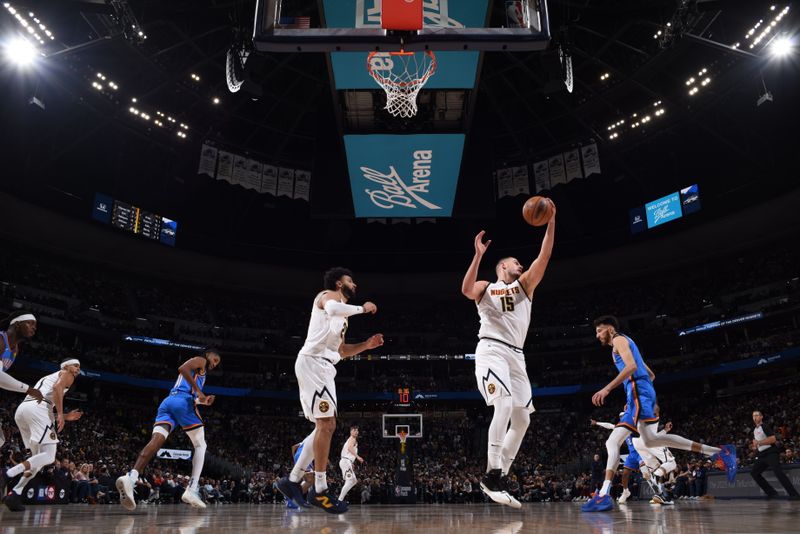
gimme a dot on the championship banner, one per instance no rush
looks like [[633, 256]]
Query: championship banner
[[591, 159], [404, 175], [174, 454], [225, 168], [557, 174], [572, 159], [541, 175], [208, 160], [269, 180], [521, 183], [505, 183], [285, 182], [253, 175], [239, 170], [302, 184], [455, 70]]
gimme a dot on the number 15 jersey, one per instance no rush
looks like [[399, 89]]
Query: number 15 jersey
[[505, 312]]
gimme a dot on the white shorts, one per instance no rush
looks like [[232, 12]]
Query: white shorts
[[347, 468], [36, 423], [655, 457], [315, 378], [500, 371]]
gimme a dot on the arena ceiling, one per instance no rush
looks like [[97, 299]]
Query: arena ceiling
[[64, 140]]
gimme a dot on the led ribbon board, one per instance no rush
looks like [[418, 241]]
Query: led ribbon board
[[455, 70], [404, 175]]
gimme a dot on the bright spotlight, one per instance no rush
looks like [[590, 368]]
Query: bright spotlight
[[20, 51], [782, 46]]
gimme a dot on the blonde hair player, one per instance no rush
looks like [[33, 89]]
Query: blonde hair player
[[347, 462], [504, 308], [315, 371], [38, 427]]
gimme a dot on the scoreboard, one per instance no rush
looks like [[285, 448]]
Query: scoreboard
[[135, 220], [403, 399]]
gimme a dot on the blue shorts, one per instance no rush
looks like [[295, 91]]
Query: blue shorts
[[633, 460], [178, 410], [641, 397]]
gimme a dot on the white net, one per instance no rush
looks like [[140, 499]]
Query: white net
[[401, 75]]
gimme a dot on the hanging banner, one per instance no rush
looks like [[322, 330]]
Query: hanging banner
[[253, 175], [285, 182], [572, 160], [591, 159], [557, 175], [521, 183], [208, 160], [505, 183], [269, 180], [239, 170], [541, 175], [225, 168], [302, 184]]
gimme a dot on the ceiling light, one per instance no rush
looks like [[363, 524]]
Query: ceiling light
[[20, 51], [782, 46], [215, 100]]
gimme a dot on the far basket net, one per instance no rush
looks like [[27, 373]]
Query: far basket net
[[402, 75]]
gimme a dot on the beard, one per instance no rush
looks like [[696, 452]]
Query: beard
[[348, 293]]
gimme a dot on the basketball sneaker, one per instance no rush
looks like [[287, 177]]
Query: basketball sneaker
[[191, 497], [125, 489], [292, 491], [326, 501], [624, 497], [291, 505], [14, 502], [726, 459], [598, 504], [492, 486]]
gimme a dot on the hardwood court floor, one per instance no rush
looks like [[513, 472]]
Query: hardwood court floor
[[733, 516]]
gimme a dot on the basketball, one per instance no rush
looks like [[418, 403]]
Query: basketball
[[537, 211]]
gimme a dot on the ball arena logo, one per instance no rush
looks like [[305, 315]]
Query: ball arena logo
[[395, 191]]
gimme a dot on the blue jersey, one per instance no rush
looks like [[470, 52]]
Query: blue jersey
[[641, 370], [182, 386], [8, 355]]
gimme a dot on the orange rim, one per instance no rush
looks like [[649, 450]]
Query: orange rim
[[383, 81]]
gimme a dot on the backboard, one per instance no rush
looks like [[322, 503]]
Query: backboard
[[355, 26], [394, 423]]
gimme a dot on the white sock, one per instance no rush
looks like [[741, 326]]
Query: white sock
[[497, 432], [198, 438], [606, 487], [348, 485], [709, 451], [306, 455], [16, 470], [320, 481], [133, 474], [520, 419], [18, 489]]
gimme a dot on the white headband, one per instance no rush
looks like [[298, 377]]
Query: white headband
[[73, 361], [26, 317]]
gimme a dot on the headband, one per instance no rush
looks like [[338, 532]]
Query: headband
[[72, 361], [26, 317]]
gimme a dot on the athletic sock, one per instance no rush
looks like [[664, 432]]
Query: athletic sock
[[16, 470], [320, 482], [606, 487]]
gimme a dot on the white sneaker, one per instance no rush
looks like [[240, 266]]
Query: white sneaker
[[125, 489], [191, 497], [624, 497], [501, 497]]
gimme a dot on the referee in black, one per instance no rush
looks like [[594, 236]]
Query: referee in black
[[764, 442]]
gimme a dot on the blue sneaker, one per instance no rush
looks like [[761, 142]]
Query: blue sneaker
[[727, 458], [326, 501], [292, 492], [598, 504], [291, 505]]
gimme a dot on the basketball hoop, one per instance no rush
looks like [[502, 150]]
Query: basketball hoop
[[401, 75], [403, 436]]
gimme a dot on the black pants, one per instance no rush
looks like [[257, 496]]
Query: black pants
[[771, 461]]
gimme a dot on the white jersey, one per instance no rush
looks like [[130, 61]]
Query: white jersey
[[325, 333], [346, 453], [505, 312], [45, 386]]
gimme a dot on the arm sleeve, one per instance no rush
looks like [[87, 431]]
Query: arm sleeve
[[608, 426], [10, 383], [341, 309]]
